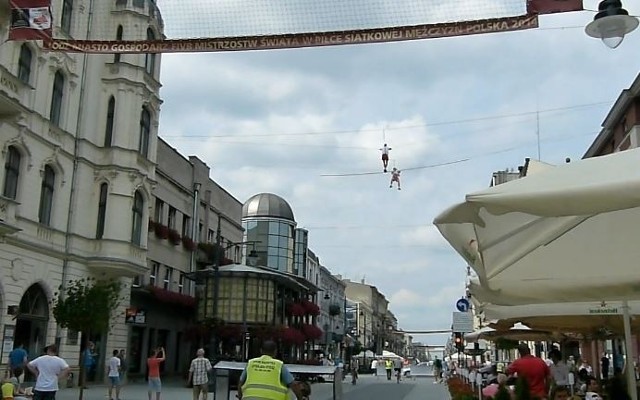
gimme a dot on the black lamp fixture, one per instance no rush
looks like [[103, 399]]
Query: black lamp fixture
[[326, 296], [252, 258], [611, 23]]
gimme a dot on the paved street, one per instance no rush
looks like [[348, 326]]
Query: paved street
[[368, 388]]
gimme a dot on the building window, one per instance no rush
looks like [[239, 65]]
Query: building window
[[186, 226], [102, 210], [11, 173], [211, 236], [145, 130], [153, 273], [24, 63], [137, 281], [72, 337], [67, 11], [159, 211], [181, 283], [119, 34], [171, 222], [46, 195], [150, 58], [136, 225], [111, 111], [167, 278], [56, 99]]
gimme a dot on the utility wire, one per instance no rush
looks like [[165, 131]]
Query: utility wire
[[389, 128]]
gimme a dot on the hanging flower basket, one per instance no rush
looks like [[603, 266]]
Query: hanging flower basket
[[293, 336], [188, 244], [310, 308], [312, 332], [295, 310], [174, 237], [161, 231], [334, 310]]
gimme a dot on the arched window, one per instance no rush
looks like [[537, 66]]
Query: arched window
[[24, 63], [150, 58], [111, 111], [136, 226], [119, 35], [145, 132], [56, 99], [102, 210], [11, 173], [67, 12], [46, 195]]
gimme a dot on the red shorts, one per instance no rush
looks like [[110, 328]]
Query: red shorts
[[385, 157]]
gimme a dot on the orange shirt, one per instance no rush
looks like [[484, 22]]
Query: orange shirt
[[153, 365]]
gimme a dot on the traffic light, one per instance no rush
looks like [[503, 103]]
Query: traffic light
[[458, 341]]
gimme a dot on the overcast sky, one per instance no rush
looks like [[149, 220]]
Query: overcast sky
[[275, 121]]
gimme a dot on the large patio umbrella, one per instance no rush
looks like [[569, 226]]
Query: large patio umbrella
[[565, 234], [587, 319]]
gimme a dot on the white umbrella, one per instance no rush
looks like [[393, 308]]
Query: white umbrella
[[566, 233], [517, 332]]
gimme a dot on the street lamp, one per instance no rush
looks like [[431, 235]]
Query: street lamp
[[611, 23]]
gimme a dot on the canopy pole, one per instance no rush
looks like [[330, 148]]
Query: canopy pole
[[629, 367]]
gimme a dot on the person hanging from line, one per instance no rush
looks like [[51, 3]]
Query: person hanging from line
[[395, 177], [385, 156]]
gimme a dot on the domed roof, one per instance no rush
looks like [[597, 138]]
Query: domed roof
[[267, 205]]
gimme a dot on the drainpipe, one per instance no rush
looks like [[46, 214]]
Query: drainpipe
[[194, 232], [74, 177]]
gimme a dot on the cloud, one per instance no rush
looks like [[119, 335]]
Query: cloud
[[275, 121]]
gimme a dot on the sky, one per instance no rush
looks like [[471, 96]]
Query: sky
[[276, 121]]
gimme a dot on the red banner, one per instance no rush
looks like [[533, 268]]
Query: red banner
[[289, 41], [553, 6], [30, 20]]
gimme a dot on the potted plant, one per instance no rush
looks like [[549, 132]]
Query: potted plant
[[174, 237], [188, 244], [161, 231]]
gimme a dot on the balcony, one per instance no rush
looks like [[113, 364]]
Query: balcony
[[8, 224], [115, 258]]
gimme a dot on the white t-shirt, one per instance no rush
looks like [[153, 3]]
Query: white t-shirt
[[374, 364], [385, 150], [49, 367], [560, 373], [114, 366]]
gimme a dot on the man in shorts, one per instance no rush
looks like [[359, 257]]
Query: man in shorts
[[113, 372], [385, 156], [153, 366], [199, 372]]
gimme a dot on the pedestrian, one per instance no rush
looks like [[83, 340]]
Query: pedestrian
[[113, 372], [388, 366], [533, 370], [153, 367], [374, 367], [268, 378], [605, 365], [199, 375], [437, 370], [123, 366], [18, 358], [48, 370], [89, 361]]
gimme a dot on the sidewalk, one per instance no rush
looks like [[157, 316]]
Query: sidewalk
[[171, 390]]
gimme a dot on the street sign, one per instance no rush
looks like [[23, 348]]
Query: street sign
[[463, 322], [463, 305]]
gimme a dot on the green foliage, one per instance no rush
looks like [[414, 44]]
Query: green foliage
[[86, 305]]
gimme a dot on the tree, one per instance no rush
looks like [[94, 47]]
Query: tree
[[86, 306]]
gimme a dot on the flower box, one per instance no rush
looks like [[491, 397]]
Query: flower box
[[174, 237], [161, 231], [167, 296], [310, 308], [189, 244], [295, 310], [312, 332]]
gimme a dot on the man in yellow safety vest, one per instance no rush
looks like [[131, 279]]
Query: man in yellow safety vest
[[266, 378]]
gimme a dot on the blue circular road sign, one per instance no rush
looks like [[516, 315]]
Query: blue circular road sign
[[462, 305]]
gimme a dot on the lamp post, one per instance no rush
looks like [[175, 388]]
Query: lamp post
[[611, 23], [194, 228]]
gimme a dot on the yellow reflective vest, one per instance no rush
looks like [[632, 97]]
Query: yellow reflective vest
[[388, 364], [263, 380]]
